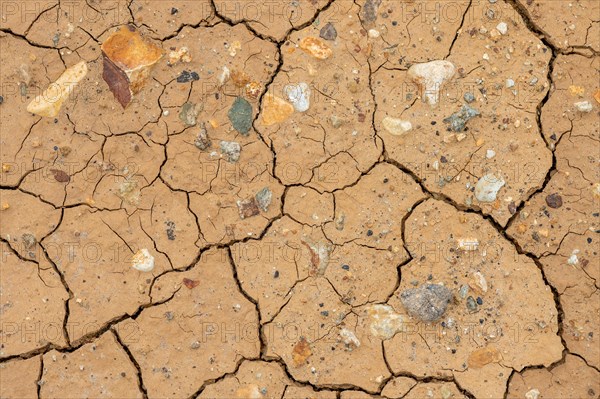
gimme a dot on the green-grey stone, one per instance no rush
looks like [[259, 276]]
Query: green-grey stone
[[240, 115]]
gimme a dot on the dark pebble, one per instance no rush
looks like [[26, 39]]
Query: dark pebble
[[174, 11], [328, 32], [1, 99], [325, 313], [554, 201], [369, 233], [345, 267], [589, 240], [479, 301], [512, 207], [276, 274], [187, 77]]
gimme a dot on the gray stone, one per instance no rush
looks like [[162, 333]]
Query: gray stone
[[428, 302], [459, 119]]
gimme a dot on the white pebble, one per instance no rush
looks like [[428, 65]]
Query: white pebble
[[489, 154], [510, 83], [584, 106], [502, 28]]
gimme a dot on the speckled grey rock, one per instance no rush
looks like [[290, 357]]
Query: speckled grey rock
[[427, 302]]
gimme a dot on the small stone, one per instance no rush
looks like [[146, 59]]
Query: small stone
[[469, 97], [60, 176], [231, 149], [395, 126], [554, 201], [502, 28], [349, 338], [298, 95], [533, 81], [1, 99], [181, 55], [203, 142], [29, 241], [489, 154], [428, 302], [240, 116], [459, 119], [487, 188], [328, 32], [384, 322], [336, 121], [189, 112], [584, 106], [143, 261], [187, 76], [301, 352], [463, 291], [431, 76], [468, 244], [275, 110], [510, 83], [127, 63], [316, 47], [190, 284], [532, 394], [48, 103], [596, 96], [170, 230], [471, 304], [374, 33], [263, 199], [248, 208], [253, 90]]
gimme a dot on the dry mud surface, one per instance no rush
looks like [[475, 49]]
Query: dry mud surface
[[287, 210]]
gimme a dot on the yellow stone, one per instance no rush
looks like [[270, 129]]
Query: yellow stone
[[315, 47], [48, 103], [576, 90], [275, 110]]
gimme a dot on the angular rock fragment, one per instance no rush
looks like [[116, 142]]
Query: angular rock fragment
[[395, 126], [48, 103], [298, 95], [263, 199], [128, 61], [384, 322], [487, 188], [240, 116], [189, 112], [431, 76], [459, 119], [428, 302], [202, 142], [231, 149], [328, 32], [248, 208]]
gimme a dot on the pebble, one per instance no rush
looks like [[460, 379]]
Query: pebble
[[328, 32], [584, 106], [248, 208], [471, 304], [298, 95], [374, 33], [48, 103], [428, 302], [431, 76], [502, 28], [468, 244], [189, 112], [275, 110], [263, 199], [187, 76], [181, 55], [384, 322], [510, 83], [395, 126], [349, 338], [202, 142], [240, 115], [554, 201], [128, 62], [231, 149], [469, 97], [316, 47], [487, 188], [336, 121], [489, 154], [459, 119], [532, 394], [143, 261]]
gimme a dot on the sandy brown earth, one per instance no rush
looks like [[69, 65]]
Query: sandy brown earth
[[285, 209]]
